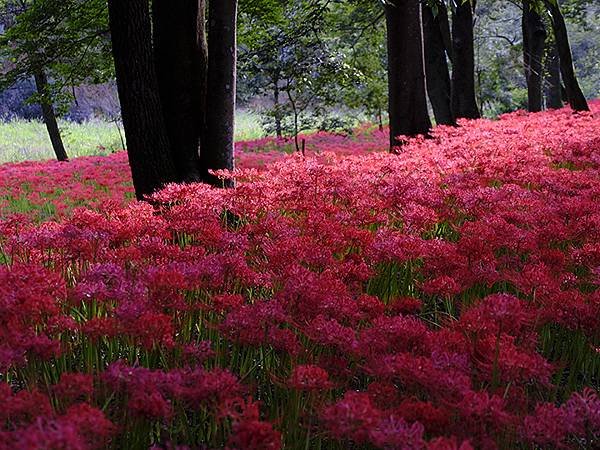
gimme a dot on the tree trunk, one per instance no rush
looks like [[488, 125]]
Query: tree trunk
[[277, 106], [406, 74], [444, 24], [436, 68], [534, 37], [181, 60], [147, 140], [553, 94], [290, 97], [218, 151], [575, 96], [464, 102], [41, 84]]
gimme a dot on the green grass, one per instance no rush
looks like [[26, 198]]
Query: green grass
[[22, 140], [248, 126], [28, 140]]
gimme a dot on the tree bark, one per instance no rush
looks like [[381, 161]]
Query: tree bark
[[406, 75], [444, 24], [464, 102], [181, 60], [553, 89], [147, 140], [218, 152], [575, 96], [436, 67], [41, 84], [534, 37]]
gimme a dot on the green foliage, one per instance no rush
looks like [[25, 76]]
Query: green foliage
[[67, 39], [499, 58], [312, 62], [362, 39], [260, 11]]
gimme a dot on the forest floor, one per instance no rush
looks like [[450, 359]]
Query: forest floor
[[444, 297]]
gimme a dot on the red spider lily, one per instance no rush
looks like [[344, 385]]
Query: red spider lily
[[309, 378], [447, 297]]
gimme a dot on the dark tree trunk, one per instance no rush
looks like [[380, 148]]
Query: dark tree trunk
[[575, 96], [436, 68], [553, 88], [464, 102], [380, 117], [406, 77], [218, 151], [444, 24], [534, 37], [147, 140], [41, 84], [181, 66]]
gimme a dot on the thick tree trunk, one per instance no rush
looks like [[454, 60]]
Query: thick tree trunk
[[406, 74], [534, 37], [575, 96], [552, 91], [41, 84], [218, 151], [436, 68], [464, 102], [444, 24], [181, 66], [147, 140]]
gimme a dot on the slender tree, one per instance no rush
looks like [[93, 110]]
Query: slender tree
[[57, 43], [148, 146], [218, 150], [275, 80], [575, 96], [49, 116], [406, 74], [180, 51], [436, 65], [464, 102], [534, 37]]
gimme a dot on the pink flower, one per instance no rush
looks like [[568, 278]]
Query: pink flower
[[309, 378], [74, 385], [254, 435], [395, 432], [352, 418], [150, 404]]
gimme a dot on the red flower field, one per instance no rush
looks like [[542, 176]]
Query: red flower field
[[445, 297]]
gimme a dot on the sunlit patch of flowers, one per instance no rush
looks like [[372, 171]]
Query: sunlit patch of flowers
[[444, 297], [47, 190]]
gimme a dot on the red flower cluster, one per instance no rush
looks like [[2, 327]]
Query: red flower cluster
[[445, 297]]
